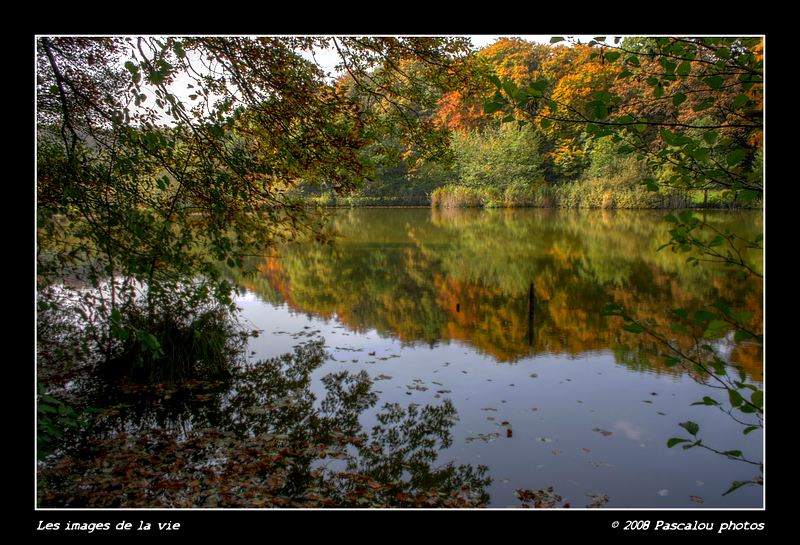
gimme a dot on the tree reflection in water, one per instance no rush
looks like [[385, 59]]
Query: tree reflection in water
[[261, 440]]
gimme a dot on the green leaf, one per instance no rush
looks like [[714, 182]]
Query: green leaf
[[669, 361], [741, 335], [757, 398], [749, 429], [733, 453], [700, 154], [492, 107], [715, 82], [634, 328], [684, 69], [715, 328], [710, 137], [735, 398], [740, 101], [735, 157], [736, 485], [748, 195], [679, 327], [675, 441], [556, 39], [702, 316], [741, 316], [510, 88], [671, 218], [611, 309], [704, 105], [691, 427], [545, 123], [495, 80], [612, 56], [678, 99], [706, 401]]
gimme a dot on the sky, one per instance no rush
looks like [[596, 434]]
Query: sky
[[327, 59]]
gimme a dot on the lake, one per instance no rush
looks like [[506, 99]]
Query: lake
[[500, 312]]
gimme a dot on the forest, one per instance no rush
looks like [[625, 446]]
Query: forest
[[687, 112], [176, 176]]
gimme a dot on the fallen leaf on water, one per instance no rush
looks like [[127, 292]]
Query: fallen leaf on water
[[485, 437], [663, 492], [533, 375], [544, 439], [598, 500], [604, 433], [696, 499]]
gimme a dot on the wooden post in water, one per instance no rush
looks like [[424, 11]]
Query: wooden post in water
[[530, 316]]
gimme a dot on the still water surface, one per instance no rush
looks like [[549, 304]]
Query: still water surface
[[499, 311]]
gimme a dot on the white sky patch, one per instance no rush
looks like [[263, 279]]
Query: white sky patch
[[631, 431]]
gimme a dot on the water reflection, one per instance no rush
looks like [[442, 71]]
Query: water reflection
[[263, 439], [511, 283]]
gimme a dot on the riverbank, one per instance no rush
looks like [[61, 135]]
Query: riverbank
[[597, 195]]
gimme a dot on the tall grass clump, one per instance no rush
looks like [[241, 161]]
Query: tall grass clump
[[457, 196], [173, 339]]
